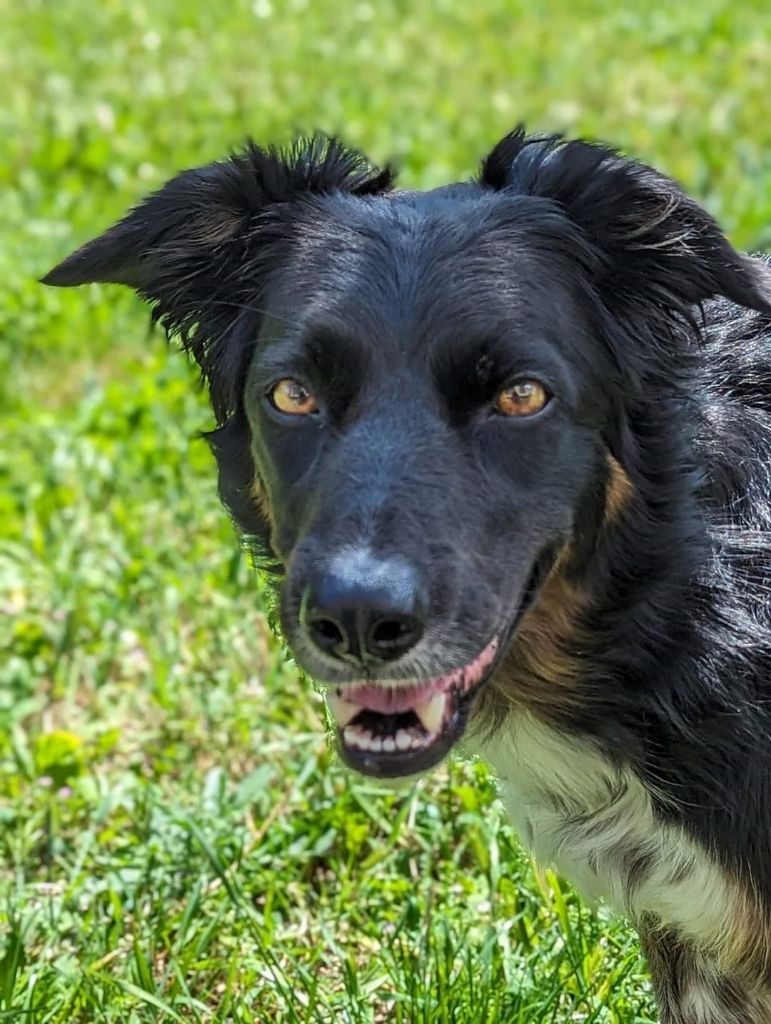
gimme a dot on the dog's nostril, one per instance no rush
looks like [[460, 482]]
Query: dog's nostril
[[393, 636], [326, 633], [388, 632]]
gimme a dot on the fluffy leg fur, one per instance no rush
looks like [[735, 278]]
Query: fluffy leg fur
[[691, 989]]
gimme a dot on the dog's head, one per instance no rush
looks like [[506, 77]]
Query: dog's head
[[425, 400]]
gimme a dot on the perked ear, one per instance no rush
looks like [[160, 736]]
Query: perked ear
[[198, 248], [650, 238]]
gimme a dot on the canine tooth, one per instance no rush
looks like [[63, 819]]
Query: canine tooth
[[389, 744], [403, 740], [431, 712], [376, 743], [350, 734], [342, 710]]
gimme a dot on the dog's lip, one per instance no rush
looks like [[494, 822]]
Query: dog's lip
[[398, 730], [390, 699]]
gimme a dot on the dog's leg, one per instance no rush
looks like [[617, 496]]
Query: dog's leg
[[692, 990]]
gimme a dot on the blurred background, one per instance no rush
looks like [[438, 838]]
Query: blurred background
[[178, 841]]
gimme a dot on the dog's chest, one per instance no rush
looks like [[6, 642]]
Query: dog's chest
[[597, 825], [572, 808]]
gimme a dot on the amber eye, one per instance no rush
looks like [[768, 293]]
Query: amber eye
[[292, 397], [522, 398]]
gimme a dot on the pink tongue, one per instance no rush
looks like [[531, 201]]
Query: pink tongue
[[391, 701]]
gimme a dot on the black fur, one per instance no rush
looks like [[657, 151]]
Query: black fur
[[405, 313]]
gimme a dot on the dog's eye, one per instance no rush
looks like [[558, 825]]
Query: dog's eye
[[292, 397], [522, 398]]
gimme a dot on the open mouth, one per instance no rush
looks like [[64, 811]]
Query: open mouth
[[398, 731]]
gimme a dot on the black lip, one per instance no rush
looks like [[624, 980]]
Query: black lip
[[401, 764]]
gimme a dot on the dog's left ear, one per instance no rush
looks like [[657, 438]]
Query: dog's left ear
[[647, 236]]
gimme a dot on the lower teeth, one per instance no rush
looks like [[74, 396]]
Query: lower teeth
[[362, 739], [403, 740]]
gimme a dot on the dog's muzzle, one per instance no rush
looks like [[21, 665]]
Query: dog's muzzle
[[393, 731]]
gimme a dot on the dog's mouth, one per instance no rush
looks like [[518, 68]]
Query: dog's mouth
[[397, 731], [400, 730]]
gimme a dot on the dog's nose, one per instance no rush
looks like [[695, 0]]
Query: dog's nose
[[367, 614]]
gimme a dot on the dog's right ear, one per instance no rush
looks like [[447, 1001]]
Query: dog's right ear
[[199, 248], [194, 218], [173, 230]]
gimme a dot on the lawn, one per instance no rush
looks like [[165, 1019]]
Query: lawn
[[178, 840]]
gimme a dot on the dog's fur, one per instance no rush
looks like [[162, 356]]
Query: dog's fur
[[620, 540]]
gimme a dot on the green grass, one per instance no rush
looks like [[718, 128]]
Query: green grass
[[178, 841]]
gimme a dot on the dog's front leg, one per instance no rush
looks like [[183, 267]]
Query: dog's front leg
[[691, 988]]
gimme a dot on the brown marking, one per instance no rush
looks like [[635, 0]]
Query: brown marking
[[730, 968], [618, 492], [543, 665], [261, 501], [743, 947]]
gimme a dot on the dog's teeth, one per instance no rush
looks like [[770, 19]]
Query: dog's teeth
[[389, 744], [364, 739], [342, 710], [356, 737], [431, 712], [376, 743], [403, 740]]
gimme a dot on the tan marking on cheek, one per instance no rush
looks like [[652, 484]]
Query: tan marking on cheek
[[541, 668], [541, 649], [619, 490], [261, 501], [544, 664]]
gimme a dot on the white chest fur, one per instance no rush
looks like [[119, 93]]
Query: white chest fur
[[596, 824]]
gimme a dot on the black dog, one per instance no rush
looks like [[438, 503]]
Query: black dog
[[507, 448]]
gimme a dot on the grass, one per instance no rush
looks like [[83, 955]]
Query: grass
[[178, 843]]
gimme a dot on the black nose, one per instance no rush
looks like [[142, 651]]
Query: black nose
[[365, 614]]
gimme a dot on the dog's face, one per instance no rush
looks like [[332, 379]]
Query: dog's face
[[425, 421], [422, 397]]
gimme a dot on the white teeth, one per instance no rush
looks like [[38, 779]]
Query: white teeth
[[362, 739], [430, 715], [342, 710], [431, 712], [403, 740]]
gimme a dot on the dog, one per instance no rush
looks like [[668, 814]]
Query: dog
[[504, 449]]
